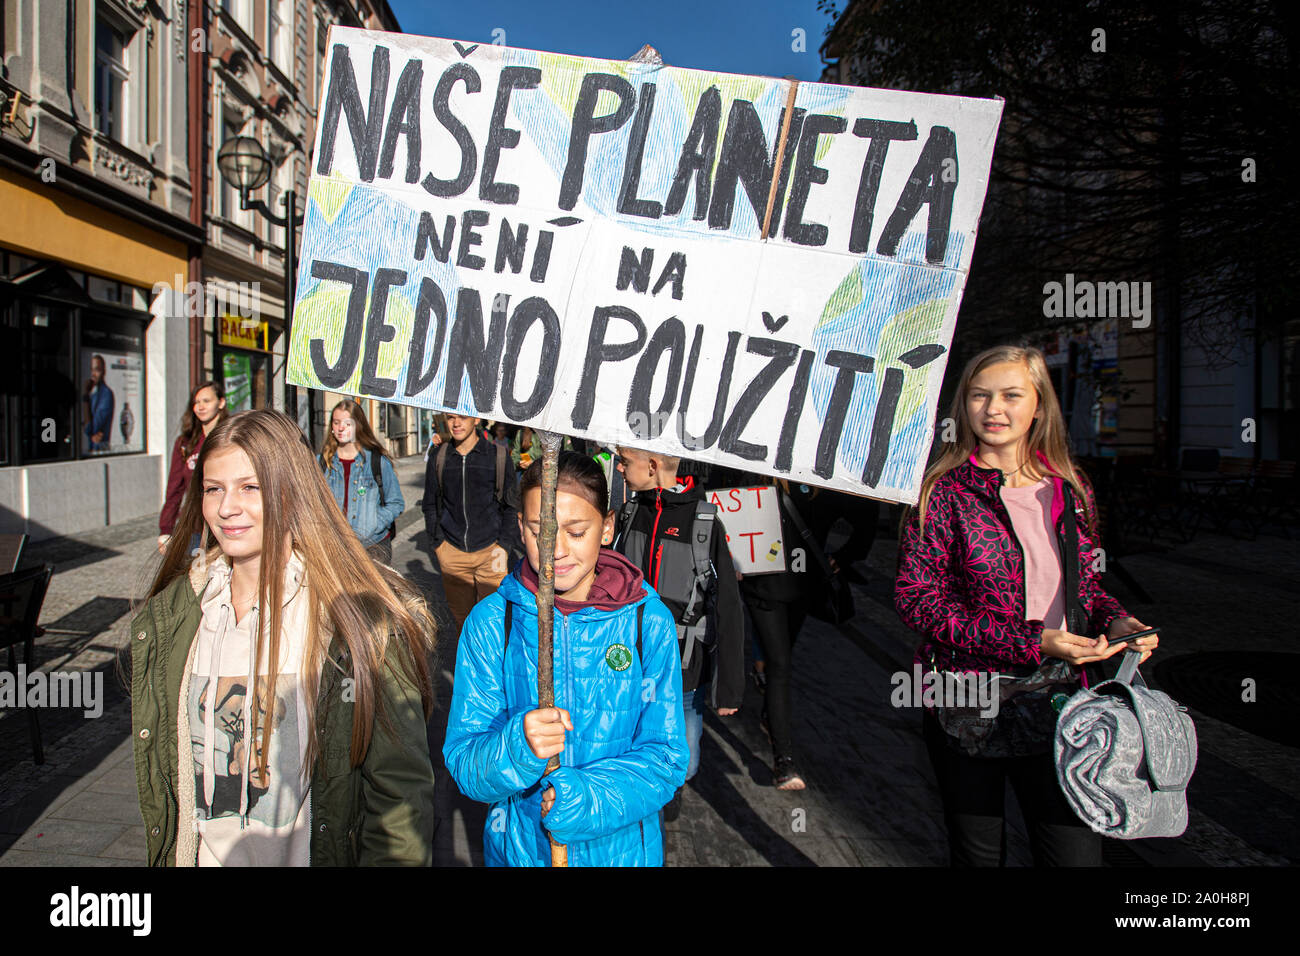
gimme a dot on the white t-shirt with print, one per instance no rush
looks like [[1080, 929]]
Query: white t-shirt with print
[[275, 827]]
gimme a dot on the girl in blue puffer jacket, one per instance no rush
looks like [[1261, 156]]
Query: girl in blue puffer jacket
[[617, 725]]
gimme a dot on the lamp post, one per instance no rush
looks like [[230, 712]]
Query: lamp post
[[245, 167]]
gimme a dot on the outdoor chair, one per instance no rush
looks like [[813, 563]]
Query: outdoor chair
[[11, 551], [1275, 500], [21, 595], [1236, 498]]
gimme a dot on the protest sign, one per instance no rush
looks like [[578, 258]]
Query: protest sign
[[752, 517], [577, 245]]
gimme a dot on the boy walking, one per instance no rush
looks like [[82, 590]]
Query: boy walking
[[471, 499], [674, 536]]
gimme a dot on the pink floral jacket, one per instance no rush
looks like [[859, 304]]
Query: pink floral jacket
[[961, 580]]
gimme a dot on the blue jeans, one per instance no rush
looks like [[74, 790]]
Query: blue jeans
[[693, 708]]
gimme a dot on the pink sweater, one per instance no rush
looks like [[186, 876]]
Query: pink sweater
[[1030, 508]]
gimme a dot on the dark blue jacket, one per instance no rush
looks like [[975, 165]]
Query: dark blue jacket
[[464, 510]]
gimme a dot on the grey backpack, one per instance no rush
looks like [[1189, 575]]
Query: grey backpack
[[1124, 756]]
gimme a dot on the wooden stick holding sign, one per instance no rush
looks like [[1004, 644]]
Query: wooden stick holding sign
[[546, 601], [546, 558]]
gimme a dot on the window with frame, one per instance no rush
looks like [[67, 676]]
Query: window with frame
[[241, 11], [282, 182], [228, 196], [112, 79], [322, 35], [279, 34]]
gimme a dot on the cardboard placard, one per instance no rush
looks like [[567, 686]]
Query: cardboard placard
[[575, 244], [752, 517]]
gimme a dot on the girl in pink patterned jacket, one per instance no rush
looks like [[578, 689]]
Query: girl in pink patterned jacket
[[997, 572]]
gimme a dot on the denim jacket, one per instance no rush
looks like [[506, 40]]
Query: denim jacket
[[368, 518]]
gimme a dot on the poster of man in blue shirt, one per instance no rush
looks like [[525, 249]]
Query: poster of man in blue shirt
[[98, 404]]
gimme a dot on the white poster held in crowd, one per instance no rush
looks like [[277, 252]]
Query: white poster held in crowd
[[752, 517], [578, 245]]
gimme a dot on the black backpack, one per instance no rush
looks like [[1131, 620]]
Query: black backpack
[[440, 462], [376, 470], [688, 581]]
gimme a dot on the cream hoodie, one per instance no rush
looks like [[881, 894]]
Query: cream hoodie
[[240, 817]]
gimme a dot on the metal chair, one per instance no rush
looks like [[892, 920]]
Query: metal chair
[[11, 551], [21, 595]]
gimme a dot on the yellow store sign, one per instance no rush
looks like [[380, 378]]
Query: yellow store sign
[[238, 332]]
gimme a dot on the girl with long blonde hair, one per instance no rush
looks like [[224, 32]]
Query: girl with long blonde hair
[[997, 573], [279, 694]]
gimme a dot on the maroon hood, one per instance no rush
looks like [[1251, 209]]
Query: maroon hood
[[618, 583]]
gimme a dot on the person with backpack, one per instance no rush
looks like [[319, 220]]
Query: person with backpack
[[675, 538], [471, 499], [617, 723], [997, 572], [362, 479]]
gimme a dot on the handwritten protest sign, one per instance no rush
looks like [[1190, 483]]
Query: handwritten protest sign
[[576, 245], [752, 517]]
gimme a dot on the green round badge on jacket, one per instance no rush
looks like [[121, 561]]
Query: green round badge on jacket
[[618, 657]]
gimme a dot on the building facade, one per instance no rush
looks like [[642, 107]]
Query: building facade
[[130, 271], [1191, 378], [96, 219]]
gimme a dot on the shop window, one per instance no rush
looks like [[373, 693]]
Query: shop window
[[110, 363], [103, 290], [71, 375], [246, 378], [48, 391]]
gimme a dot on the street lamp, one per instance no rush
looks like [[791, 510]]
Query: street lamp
[[245, 167]]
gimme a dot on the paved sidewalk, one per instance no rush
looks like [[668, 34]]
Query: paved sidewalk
[[871, 798]]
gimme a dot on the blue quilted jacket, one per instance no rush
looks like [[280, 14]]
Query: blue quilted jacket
[[623, 759]]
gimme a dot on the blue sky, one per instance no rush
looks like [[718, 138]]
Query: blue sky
[[727, 35]]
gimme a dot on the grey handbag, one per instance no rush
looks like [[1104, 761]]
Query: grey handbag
[[1124, 756]]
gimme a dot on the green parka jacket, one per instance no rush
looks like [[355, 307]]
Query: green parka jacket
[[377, 814]]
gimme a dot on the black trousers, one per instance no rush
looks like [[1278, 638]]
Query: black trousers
[[973, 791], [777, 625]]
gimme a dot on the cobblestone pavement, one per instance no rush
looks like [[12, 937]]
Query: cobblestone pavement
[[871, 798]]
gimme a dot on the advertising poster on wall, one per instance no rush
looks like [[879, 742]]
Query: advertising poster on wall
[[237, 373], [112, 394]]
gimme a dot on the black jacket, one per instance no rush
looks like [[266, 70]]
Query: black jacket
[[804, 575], [465, 511], [660, 513]]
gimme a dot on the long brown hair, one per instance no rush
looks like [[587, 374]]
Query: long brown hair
[[1046, 433], [364, 436], [191, 427], [380, 619]]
